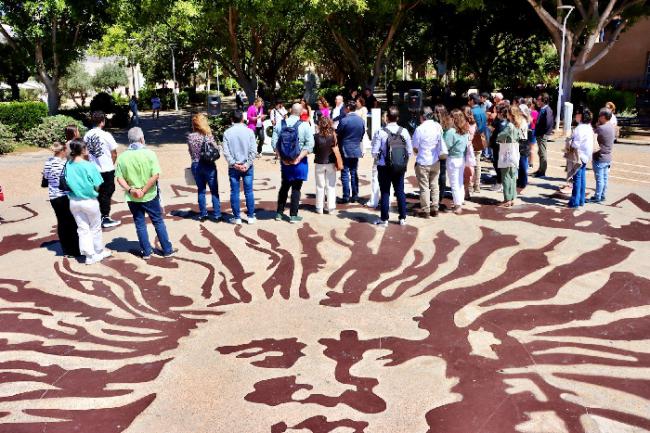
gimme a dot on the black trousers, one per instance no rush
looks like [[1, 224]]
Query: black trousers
[[106, 190], [295, 186], [442, 180], [66, 226], [259, 134]]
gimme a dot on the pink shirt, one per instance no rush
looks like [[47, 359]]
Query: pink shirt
[[325, 112], [252, 114]]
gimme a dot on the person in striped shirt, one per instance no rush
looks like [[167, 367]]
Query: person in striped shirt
[[66, 225]]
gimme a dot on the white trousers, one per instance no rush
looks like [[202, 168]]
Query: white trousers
[[455, 170], [89, 226], [375, 194], [325, 183]]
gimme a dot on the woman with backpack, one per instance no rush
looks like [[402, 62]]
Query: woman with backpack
[[203, 149], [457, 138], [66, 227], [325, 162]]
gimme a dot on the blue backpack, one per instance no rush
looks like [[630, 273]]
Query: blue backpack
[[288, 143]]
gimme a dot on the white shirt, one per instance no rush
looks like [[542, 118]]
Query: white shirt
[[336, 112], [427, 140], [583, 140], [613, 121], [277, 115], [100, 145], [379, 142]]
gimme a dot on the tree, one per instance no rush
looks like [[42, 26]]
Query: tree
[[586, 27], [55, 33], [109, 77], [77, 83], [13, 68]]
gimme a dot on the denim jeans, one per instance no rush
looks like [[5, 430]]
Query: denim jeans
[[350, 177], [601, 170], [247, 177], [579, 187], [206, 174], [387, 178], [522, 176], [153, 209]]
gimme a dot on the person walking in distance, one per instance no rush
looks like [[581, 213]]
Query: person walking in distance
[[292, 141], [240, 151], [156, 104], [66, 227], [83, 180], [606, 134], [204, 170], [324, 160], [133, 106], [103, 153], [350, 135], [392, 147], [137, 171], [543, 130], [428, 145]]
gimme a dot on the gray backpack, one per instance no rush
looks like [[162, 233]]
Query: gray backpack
[[397, 156]]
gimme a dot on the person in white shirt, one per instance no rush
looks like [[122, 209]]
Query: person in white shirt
[[428, 145], [103, 152], [388, 175], [339, 111], [278, 113], [613, 121], [583, 141]]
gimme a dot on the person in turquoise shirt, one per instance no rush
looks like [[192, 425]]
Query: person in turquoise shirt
[[83, 180], [456, 136], [137, 171]]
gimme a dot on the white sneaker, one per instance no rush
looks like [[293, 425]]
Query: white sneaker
[[104, 255], [91, 260], [402, 222], [319, 211], [236, 221], [252, 220], [381, 224]]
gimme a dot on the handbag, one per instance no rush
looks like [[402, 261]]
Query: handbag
[[479, 142], [508, 155], [44, 182], [208, 153], [63, 184]]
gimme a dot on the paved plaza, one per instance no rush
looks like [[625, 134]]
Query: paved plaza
[[534, 319]]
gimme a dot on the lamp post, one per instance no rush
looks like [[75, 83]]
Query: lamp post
[[560, 92], [174, 78]]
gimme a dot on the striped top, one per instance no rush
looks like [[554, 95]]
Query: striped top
[[52, 172]]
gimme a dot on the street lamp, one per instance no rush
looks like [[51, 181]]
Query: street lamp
[[560, 92]]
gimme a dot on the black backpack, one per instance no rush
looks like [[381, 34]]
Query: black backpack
[[208, 153], [397, 156], [63, 184]]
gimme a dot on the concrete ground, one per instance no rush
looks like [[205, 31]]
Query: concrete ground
[[534, 319]]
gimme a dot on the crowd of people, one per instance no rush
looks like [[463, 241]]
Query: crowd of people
[[448, 146]]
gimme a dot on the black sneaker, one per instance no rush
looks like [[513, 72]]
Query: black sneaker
[[107, 222]]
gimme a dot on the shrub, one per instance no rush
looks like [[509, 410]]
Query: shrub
[[292, 90], [102, 102], [219, 124], [595, 96], [7, 140], [80, 113], [50, 130], [330, 92], [22, 116]]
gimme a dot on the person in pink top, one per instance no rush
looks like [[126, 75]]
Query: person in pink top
[[532, 140], [323, 106], [255, 116]]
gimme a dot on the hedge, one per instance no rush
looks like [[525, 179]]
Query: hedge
[[22, 116], [7, 139], [595, 96], [50, 130]]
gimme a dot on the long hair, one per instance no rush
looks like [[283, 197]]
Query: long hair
[[460, 122], [440, 114], [77, 147], [323, 102], [71, 132], [200, 124], [519, 119], [467, 111], [325, 127]]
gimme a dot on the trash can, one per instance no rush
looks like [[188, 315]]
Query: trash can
[[214, 105]]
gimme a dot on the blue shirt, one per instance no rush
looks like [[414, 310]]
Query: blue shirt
[[350, 133], [481, 119]]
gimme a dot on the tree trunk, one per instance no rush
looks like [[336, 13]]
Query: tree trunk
[[52, 87], [15, 90]]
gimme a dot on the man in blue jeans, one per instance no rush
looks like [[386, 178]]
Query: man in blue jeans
[[240, 150], [137, 171], [350, 134]]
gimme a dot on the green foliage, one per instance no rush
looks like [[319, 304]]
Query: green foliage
[[81, 114], [109, 77], [50, 130], [219, 124], [292, 90], [30, 95], [595, 96], [330, 92], [7, 140], [77, 83], [22, 116], [103, 102]]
